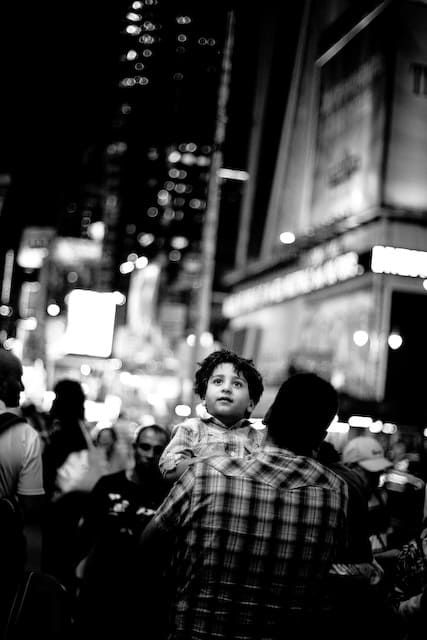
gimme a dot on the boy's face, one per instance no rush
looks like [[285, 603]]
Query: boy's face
[[227, 394]]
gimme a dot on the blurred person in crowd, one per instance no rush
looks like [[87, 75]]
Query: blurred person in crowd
[[251, 540], [21, 475], [230, 387], [118, 509], [359, 550], [357, 581], [72, 466], [106, 439], [365, 456], [405, 492], [409, 586], [37, 419], [67, 431]]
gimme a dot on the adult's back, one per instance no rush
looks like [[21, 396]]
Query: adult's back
[[256, 547], [252, 541], [20, 458]]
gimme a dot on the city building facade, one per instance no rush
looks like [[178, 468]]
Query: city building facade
[[331, 266]]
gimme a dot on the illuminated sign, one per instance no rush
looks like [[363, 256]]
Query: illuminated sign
[[398, 261], [74, 251], [292, 285], [90, 323], [34, 246]]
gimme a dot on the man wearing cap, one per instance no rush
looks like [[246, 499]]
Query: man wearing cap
[[365, 456]]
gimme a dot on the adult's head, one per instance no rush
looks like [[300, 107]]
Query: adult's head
[[69, 399], [365, 455], [149, 443], [10, 378], [301, 412], [366, 452], [106, 438], [242, 366]]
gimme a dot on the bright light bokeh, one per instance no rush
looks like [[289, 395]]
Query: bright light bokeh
[[363, 422], [287, 237], [360, 338], [53, 309], [395, 341], [90, 327], [183, 410]]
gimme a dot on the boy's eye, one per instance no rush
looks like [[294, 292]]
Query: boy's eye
[[238, 384], [216, 381]]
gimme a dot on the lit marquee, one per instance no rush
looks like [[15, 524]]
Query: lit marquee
[[398, 261], [292, 285]]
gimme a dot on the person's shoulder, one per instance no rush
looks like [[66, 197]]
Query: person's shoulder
[[190, 425], [109, 483], [222, 464], [110, 480], [23, 429], [331, 479]]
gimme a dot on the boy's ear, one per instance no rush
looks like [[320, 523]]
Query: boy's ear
[[251, 405]]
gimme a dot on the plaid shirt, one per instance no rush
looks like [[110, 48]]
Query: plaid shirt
[[209, 436], [253, 542]]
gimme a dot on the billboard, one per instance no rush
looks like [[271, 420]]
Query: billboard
[[90, 323], [349, 145], [406, 169]]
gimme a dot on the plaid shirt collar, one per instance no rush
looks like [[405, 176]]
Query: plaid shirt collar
[[211, 420]]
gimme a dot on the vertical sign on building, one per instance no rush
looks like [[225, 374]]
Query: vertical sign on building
[[406, 168], [349, 144]]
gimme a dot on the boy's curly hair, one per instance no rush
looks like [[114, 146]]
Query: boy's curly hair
[[243, 366]]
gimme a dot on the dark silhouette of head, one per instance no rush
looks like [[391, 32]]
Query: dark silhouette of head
[[69, 399], [10, 378], [301, 412], [243, 366]]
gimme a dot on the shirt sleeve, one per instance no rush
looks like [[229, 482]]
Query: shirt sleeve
[[173, 513], [30, 481], [179, 448]]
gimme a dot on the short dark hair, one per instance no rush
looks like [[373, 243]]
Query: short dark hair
[[242, 365], [154, 427], [69, 399], [301, 412]]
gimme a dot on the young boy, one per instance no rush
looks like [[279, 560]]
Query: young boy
[[230, 387]]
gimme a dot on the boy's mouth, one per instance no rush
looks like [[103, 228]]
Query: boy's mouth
[[222, 399]]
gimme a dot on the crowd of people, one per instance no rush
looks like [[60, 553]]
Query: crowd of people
[[218, 527]]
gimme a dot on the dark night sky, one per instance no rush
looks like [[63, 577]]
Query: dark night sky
[[59, 68], [57, 72]]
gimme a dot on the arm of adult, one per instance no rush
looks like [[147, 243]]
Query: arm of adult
[[157, 544], [31, 496]]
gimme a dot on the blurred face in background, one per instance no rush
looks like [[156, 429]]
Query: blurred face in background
[[11, 384], [148, 448], [106, 441]]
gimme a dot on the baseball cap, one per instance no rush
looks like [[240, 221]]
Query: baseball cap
[[367, 452]]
